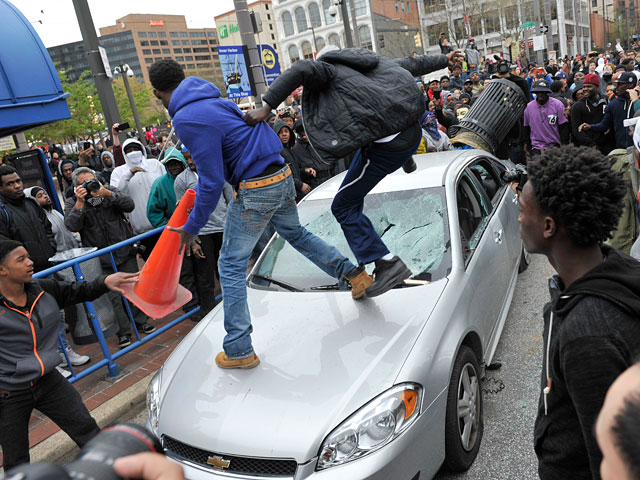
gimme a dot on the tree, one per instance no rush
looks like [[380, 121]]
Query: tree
[[149, 108]]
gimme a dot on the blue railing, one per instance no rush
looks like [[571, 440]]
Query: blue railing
[[109, 358]]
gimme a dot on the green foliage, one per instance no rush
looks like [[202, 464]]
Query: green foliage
[[149, 108]]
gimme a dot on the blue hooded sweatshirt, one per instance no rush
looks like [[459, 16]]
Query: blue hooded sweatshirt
[[222, 145]]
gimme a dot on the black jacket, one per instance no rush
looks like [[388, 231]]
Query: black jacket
[[586, 111], [307, 158], [102, 225], [352, 97], [29, 342], [595, 336], [288, 156], [23, 220], [618, 110]]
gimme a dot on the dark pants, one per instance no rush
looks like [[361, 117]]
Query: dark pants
[[198, 275], [57, 399], [364, 174], [124, 325]]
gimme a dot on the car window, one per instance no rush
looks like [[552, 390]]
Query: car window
[[473, 213], [484, 171], [412, 223]]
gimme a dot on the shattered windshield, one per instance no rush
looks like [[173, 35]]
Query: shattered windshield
[[412, 223]]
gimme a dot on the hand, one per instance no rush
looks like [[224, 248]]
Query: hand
[[431, 149], [253, 117], [186, 238], [104, 192], [148, 466], [195, 249], [81, 193], [514, 186], [455, 57], [310, 171], [584, 126], [116, 280], [633, 94], [135, 170], [84, 155], [114, 129], [305, 188]]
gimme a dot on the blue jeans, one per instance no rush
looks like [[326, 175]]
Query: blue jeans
[[247, 217], [347, 206]]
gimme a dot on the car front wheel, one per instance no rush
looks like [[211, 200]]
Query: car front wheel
[[463, 424]]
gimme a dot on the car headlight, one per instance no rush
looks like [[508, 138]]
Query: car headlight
[[373, 426], [153, 401]]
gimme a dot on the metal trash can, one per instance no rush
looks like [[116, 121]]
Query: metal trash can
[[491, 116], [80, 327]]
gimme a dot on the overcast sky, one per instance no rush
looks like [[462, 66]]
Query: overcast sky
[[59, 23]]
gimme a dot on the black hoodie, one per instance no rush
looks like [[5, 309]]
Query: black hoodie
[[595, 336], [289, 158]]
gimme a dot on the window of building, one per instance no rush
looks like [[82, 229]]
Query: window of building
[[408, 7], [212, 33], [152, 34], [196, 34], [177, 50], [364, 32], [213, 42], [162, 34], [188, 58], [307, 51], [173, 34], [190, 66], [175, 42], [156, 51], [273, 37], [314, 15], [148, 60], [185, 42], [203, 57], [402, 6], [154, 43], [186, 50], [266, 7], [203, 65], [166, 50], [200, 49], [183, 34], [511, 17], [301, 20], [142, 34], [146, 51], [198, 42], [328, 19], [334, 39], [271, 26], [320, 43], [268, 16], [179, 59], [360, 7], [294, 56], [287, 24], [164, 43], [492, 22], [144, 43]]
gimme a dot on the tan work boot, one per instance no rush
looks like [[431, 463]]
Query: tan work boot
[[360, 280], [225, 362]]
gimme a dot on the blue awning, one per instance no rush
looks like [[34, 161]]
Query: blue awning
[[30, 91]]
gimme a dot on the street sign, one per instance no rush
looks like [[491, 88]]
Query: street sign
[[527, 25], [234, 71], [538, 43], [544, 28], [105, 61], [270, 64]]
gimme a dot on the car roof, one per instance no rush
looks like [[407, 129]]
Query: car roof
[[431, 171]]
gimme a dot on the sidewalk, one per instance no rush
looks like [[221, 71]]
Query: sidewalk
[[109, 399]]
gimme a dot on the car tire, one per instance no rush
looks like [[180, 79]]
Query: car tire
[[525, 260], [463, 423]]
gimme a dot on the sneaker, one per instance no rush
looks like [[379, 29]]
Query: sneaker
[[124, 341], [63, 372], [360, 280], [387, 274], [75, 358], [225, 362], [146, 328]]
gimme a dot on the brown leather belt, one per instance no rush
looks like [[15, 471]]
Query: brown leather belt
[[263, 182]]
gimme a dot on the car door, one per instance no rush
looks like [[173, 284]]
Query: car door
[[485, 254]]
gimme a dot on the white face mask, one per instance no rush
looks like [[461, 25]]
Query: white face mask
[[135, 157]]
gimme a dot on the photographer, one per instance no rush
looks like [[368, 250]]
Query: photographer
[[28, 351], [97, 213]]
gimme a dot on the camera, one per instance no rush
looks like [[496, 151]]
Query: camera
[[123, 126], [96, 458], [436, 94], [91, 185], [86, 145], [517, 174], [333, 9]]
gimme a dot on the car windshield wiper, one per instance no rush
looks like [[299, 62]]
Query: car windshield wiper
[[286, 286], [333, 286]]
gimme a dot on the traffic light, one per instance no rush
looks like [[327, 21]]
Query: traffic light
[[417, 40], [380, 40]]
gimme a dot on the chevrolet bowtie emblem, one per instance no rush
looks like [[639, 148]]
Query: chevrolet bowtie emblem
[[218, 462]]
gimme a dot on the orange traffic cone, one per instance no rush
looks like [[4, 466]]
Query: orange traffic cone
[[157, 292]]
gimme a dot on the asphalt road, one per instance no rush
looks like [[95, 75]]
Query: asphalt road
[[509, 413]]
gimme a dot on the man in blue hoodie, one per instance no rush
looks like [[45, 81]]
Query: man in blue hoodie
[[224, 147]]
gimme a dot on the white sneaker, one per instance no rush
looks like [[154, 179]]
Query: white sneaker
[[75, 358], [63, 372]]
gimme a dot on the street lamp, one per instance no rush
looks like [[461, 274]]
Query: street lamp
[[333, 11], [123, 69]]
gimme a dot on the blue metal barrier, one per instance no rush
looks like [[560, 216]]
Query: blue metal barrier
[[109, 358]]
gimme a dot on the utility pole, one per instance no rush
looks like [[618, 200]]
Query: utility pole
[[547, 22], [100, 78], [124, 72], [536, 12], [345, 20], [356, 34], [249, 41]]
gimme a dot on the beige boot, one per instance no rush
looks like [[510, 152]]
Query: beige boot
[[360, 280]]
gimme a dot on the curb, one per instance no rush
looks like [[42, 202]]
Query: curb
[[124, 405]]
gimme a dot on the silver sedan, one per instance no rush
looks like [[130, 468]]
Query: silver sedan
[[385, 388]]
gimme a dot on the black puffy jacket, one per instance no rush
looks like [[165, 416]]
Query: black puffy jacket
[[352, 97]]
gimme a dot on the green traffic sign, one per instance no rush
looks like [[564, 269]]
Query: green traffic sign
[[527, 25]]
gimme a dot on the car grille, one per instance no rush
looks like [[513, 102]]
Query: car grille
[[238, 465]]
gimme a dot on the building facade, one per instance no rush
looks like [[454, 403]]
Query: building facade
[[119, 46], [156, 37], [390, 28], [508, 26]]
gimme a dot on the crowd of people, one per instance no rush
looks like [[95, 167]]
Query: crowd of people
[[575, 136]]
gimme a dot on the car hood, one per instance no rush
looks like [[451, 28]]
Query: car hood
[[323, 356]]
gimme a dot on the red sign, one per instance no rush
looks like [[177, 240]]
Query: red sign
[[156, 23], [530, 43]]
